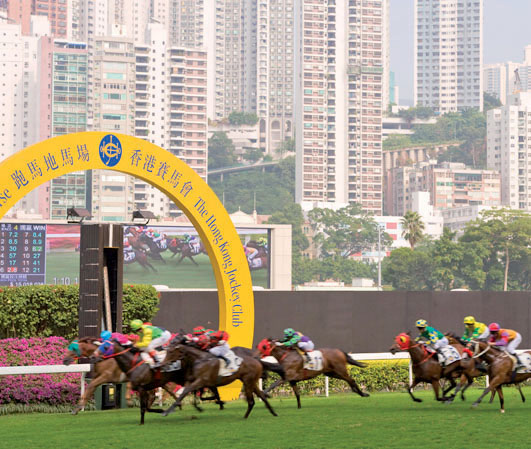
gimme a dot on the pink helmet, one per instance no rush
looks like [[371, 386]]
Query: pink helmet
[[494, 327]]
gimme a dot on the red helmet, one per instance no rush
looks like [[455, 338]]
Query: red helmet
[[198, 330], [494, 327]]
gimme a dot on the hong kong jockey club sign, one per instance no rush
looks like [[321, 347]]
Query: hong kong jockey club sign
[[44, 161]]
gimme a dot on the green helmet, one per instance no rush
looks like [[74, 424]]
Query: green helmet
[[136, 324], [289, 332]]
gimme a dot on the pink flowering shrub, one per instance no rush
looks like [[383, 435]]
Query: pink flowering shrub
[[53, 389]]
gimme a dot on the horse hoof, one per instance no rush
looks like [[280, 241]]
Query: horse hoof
[[417, 400], [365, 395], [502, 411], [474, 405], [74, 412]]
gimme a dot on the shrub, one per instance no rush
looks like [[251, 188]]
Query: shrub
[[46, 310], [51, 389]]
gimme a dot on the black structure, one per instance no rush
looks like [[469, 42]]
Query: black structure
[[353, 321], [101, 246]]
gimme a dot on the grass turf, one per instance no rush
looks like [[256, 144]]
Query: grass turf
[[60, 266], [385, 420]]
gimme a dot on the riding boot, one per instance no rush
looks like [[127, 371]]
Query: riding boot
[[518, 361], [307, 356], [227, 361], [153, 355]]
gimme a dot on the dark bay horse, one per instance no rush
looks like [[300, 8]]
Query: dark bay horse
[[105, 371], [500, 371], [143, 243], [334, 365], [140, 257], [426, 367], [179, 245], [261, 260], [144, 379], [202, 370]]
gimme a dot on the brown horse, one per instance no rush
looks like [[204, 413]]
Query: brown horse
[[500, 371], [179, 245], [334, 365], [144, 379], [202, 371], [141, 242], [261, 260], [141, 258], [105, 371], [426, 367]]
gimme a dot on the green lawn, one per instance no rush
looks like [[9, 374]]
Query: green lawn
[[385, 420], [185, 275]]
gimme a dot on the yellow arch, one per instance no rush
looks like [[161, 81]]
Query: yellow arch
[[44, 161]]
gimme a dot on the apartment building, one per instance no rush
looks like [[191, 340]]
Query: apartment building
[[501, 79], [339, 101], [450, 185], [509, 149], [448, 53], [57, 12]]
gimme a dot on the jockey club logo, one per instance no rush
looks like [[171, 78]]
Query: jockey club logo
[[110, 150]]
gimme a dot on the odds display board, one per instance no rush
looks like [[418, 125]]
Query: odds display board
[[47, 160], [22, 254]]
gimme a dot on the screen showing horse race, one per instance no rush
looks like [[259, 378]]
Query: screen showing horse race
[[159, 255]]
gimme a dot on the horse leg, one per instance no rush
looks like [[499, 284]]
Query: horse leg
[[520, 391], [342, 373], [195, 385], [248, 388], [448, 389], [263, 396], [500, 395], [296, 391], [171, 393], [436, 389], [143, 404], [96, 382], [494, 383], [152, 395], [416, 381], [217, 398], [192, 259], [275, 384], [470, 381]]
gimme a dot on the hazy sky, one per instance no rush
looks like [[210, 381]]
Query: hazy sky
[[506, 31]]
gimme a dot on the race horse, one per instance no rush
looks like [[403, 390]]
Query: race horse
[[334, 365], [144, 379], [180, 246], [202, 370], [105, 371], [136, 255], [426, 367], [500, 370], [140, 241]]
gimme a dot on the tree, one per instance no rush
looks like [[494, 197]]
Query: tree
[[243, 118], [406, 269], [490, 102], [345, 232], [447, 256], [252, 154], [502, 238], [287, 146], [220, 151], [292, 214], [413, 228]]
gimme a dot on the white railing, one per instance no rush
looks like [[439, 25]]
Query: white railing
[[48, 369]]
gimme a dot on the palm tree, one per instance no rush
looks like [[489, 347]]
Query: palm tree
[[413, 227]]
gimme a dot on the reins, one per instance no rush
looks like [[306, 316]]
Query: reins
[[429, 354], [475, 356]]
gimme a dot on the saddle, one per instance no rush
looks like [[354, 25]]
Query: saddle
[[233, 366], [316, 361], [448, 355]]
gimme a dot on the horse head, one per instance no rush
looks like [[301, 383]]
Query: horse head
[[74, 353], [402, 343]]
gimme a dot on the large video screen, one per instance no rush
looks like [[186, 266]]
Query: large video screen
[[159, 255]]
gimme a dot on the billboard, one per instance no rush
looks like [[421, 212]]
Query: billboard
[[159, 255]]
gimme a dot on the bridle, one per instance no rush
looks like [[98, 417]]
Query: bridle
[[476, 347]]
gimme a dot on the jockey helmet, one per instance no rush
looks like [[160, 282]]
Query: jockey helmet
[[262, 241], [494, 327], [105, 335], [136, 324], [289, 332], [421, 323], [469, 320], [198, 330]]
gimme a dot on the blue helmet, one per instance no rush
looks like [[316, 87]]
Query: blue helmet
[[105, 335]]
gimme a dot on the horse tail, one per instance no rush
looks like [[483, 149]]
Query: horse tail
[[354, 362], [274, 367]]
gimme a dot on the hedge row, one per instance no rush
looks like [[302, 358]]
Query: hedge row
[[46, 310]]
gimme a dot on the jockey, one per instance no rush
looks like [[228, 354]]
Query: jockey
[[262, 241], [151, 337], [296, 339], [129, 253], [219, 346], [474, 330], [435, 339], [190, 240], [106, 346], [250, 253], [505, 340]]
